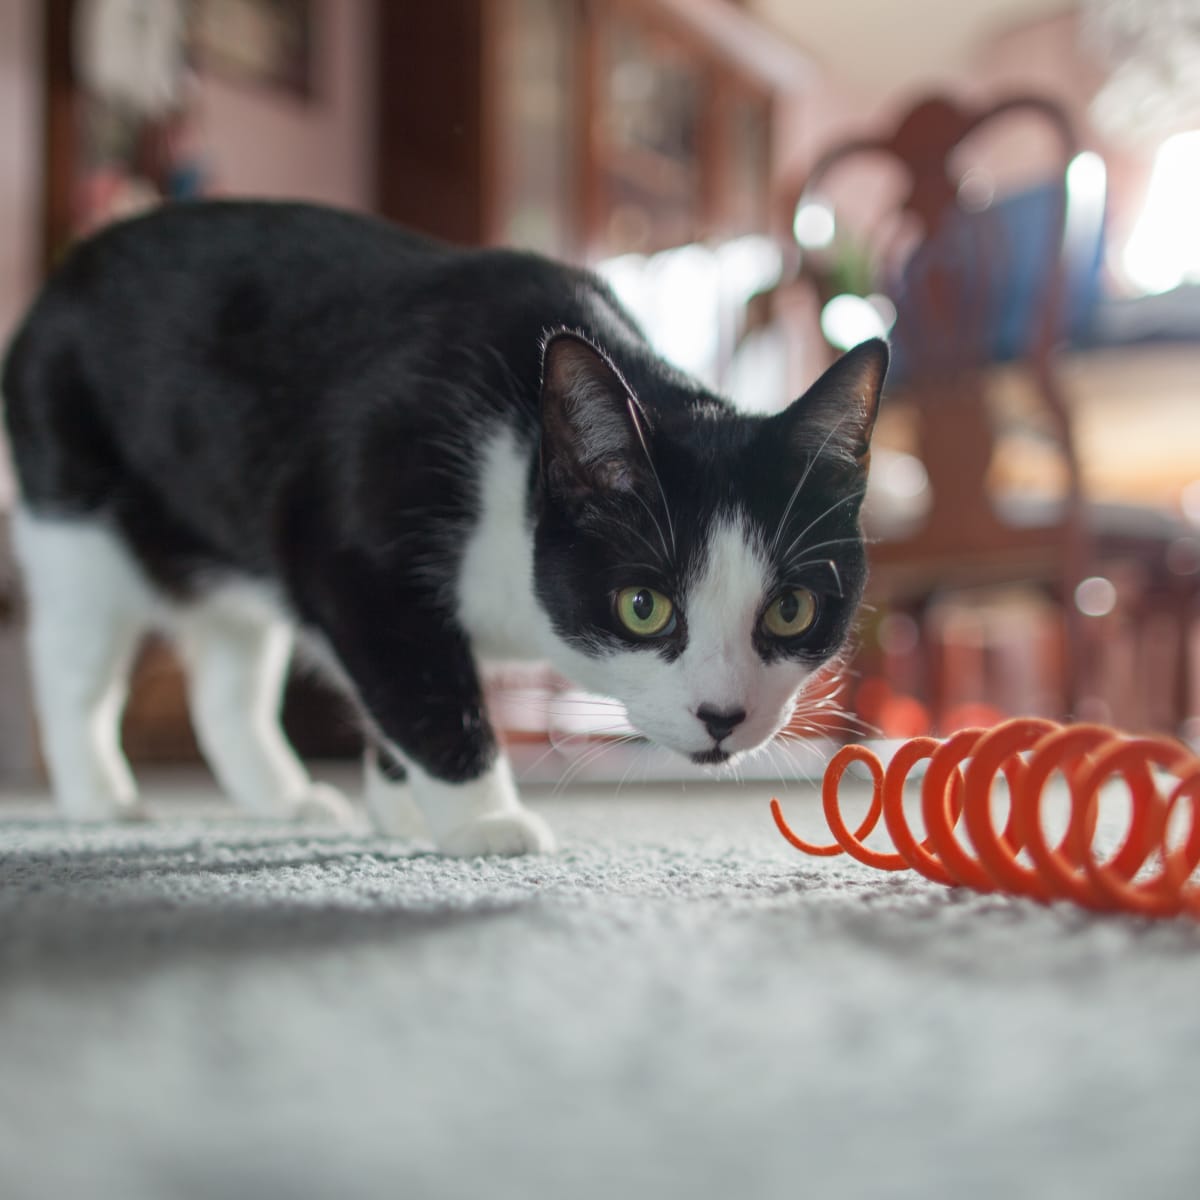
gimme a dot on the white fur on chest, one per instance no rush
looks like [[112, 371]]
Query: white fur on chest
[[496, 604]]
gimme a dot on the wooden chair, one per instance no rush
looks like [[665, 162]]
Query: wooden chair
[[976, 281]]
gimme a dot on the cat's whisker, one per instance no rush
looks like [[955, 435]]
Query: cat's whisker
[[573, 767], [849, 498], [837, 721], [633, 567], [837, 541], [802, 746], [638, 756], [565, 742], [804, 558], [785, 769], [637, 424], [545, 754], [825, 730], [590, 756], [796, 567], [541, 692], [559, 724], [803, 480], [668, 556], [860, 728], [771, 750], [566, 708], [654, 550]]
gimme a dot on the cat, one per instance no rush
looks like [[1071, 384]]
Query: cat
[[242, 421]]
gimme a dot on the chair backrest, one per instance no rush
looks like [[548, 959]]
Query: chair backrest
[[977, 276]]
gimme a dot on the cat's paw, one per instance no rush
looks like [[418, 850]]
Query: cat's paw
[[134, 812], [516, 831], [321, 804], [98, 808], [396, 814]]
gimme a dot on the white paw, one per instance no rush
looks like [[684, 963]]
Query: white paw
[[396, 814], [322, 804], [133, 811], [96, 808], [516, 831]]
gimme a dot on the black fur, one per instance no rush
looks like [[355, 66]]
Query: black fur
[[296, 395]]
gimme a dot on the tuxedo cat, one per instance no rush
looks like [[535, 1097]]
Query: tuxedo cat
[[236, 420]]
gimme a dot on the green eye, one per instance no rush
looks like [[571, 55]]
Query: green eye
[[645, 612], [791, 613]]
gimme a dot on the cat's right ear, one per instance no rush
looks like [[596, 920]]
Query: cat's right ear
[[593, 433]]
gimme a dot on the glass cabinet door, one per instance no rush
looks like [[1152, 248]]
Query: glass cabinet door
[[533, 144]]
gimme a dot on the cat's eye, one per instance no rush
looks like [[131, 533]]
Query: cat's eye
[[645, 612], [791, 613]]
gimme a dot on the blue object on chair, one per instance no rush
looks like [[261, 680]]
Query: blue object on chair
[[999, 257]]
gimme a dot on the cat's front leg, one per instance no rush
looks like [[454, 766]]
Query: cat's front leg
[[480, 815], [483, 817], [416, 678]]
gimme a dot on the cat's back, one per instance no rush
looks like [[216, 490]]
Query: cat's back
[[289, 292], [200, 355], [210, 355], [230, 270], [208, 238]]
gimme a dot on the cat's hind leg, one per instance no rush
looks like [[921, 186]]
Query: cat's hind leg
[[89, 606], [237, 665]]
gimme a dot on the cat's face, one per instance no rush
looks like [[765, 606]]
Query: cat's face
[[696, 564]]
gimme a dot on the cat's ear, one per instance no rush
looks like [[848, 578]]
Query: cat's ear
[[836, 416], [593, 439]]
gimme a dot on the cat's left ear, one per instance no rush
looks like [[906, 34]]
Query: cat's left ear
[[593, 434], [836, 416]]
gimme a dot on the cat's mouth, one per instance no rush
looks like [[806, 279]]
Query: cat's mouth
[[711, 758]]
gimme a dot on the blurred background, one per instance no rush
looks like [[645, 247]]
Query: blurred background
[[1008, 189]]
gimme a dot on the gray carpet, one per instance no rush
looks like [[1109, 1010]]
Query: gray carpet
[[676, 1005]]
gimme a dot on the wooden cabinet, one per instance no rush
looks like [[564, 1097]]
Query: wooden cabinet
[[474, 112], [579, 128], [677, 144]]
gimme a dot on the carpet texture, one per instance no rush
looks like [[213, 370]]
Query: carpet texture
[[676, 1005]]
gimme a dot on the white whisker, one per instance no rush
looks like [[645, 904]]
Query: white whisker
[[803, 480], [667, 555], [658, 482], [847, 499]]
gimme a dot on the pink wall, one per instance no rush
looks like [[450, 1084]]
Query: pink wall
[[259, 142], [1047, 57], [264, 143], [1043, 57], [20, 185]]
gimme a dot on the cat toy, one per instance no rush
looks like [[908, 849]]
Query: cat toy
[[1150, 872]]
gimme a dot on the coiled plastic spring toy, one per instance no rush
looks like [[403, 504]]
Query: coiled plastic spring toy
[[1150, 873]]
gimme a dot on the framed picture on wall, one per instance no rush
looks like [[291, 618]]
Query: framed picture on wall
[[122, 132], [267, 43]]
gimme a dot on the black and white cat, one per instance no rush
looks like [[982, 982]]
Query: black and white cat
[[232, 421]]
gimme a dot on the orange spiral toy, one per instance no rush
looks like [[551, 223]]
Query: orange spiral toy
[[1150, 872]]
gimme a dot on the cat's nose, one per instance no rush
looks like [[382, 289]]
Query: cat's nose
[[720, 723]]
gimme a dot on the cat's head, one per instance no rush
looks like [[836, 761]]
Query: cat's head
[[698, 564]]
